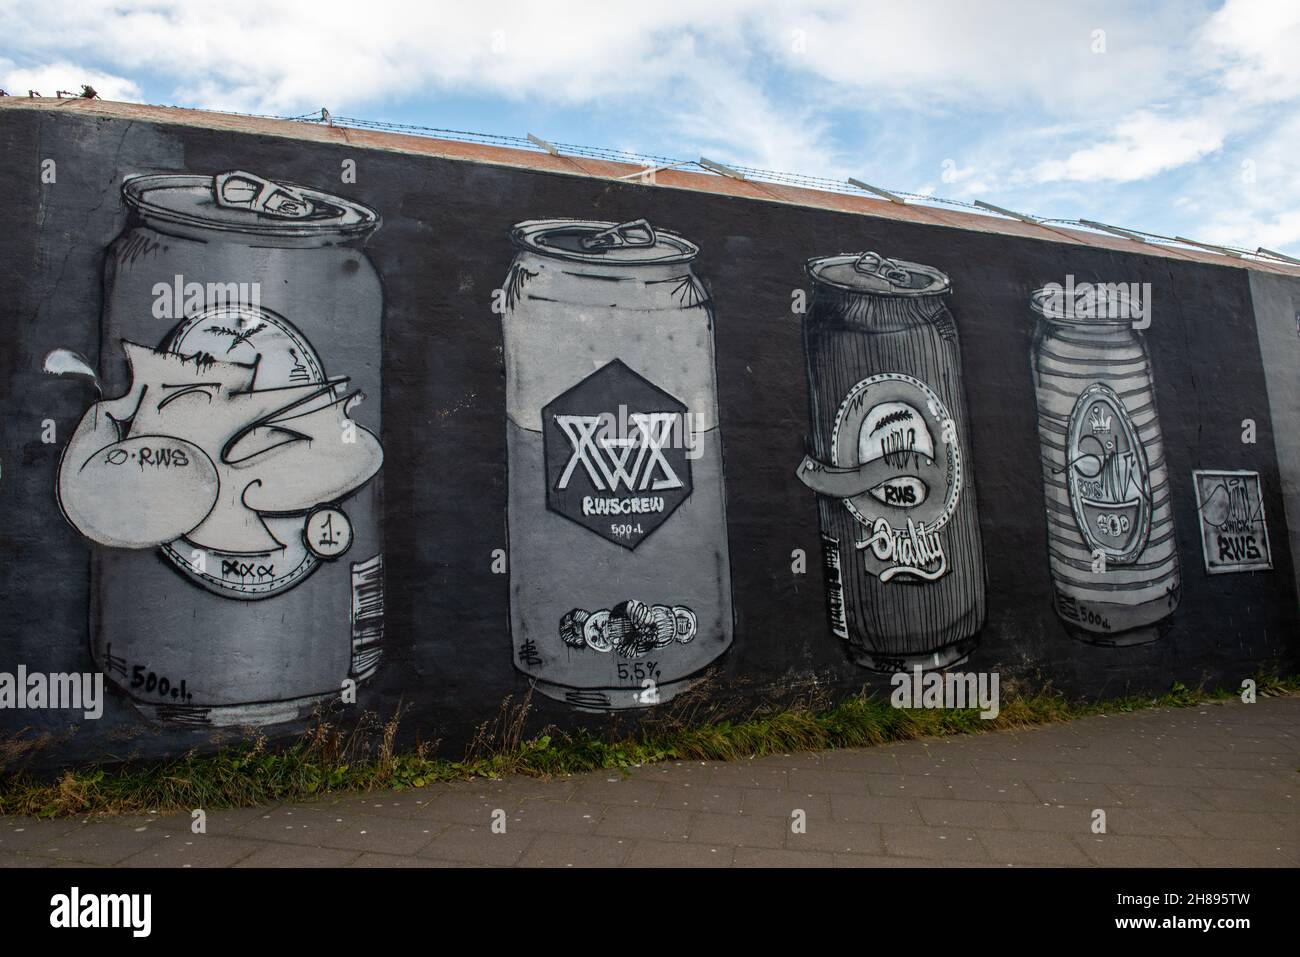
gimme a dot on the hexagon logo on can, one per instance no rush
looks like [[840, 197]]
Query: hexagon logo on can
[[616, 454]]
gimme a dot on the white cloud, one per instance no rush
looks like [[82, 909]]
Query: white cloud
[[934, 56], [1141, 146], [1015, 90], [1254, 44]]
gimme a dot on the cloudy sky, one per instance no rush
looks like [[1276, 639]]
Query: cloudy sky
[[1178, 117]]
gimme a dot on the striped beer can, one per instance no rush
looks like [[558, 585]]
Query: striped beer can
[[1110, 526]]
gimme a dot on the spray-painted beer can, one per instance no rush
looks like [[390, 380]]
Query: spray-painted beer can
[[891, 463], [1110, 525], [620, 581], [227, 475]]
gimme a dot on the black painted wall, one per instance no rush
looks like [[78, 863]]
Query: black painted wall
[[441, 251]]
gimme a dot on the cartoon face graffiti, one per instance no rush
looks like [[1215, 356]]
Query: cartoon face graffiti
[[228, 452]]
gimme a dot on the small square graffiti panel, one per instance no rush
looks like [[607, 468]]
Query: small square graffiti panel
[[1234, 534]]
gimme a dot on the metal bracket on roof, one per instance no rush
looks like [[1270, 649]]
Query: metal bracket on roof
[[1224, 250], [884, 193], [720, 169], [1024, 218], [538, 141], [649, 172], [1261, 251], [1113, 229]]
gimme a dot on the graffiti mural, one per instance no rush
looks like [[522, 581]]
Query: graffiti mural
[[224, 465], [1234, 534], [224, 445], [615, 464], [1111, 543], [266, 455], [890, 460]]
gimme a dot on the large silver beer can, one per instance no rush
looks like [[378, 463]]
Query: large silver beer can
[[226, 477], [1110, 525], [620, 581]]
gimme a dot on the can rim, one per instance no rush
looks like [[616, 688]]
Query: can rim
[[1038, 303], [530, 235], [357, 219], [939, 283]]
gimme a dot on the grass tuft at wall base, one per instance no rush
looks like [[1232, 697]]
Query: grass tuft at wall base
[[329, 759]]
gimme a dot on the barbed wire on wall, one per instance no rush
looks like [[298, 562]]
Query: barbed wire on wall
[[758, 175]]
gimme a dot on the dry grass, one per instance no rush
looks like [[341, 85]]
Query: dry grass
[[699, 725]]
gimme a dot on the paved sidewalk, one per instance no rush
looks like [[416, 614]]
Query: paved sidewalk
[[1212, 785]]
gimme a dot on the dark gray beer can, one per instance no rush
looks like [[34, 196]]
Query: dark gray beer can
[[890, 462]]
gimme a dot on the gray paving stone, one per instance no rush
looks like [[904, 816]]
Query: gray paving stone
[[404, 805], [1065, 819], [100, 843], [740, 830], [25, 834], [557, 817], [1218, 852], [874, 810], [1246, 825], [1165, 823], [675, 772], [878, 860], [749, 774], [768, 802], [881, 760], [1237, 799], [193, 850], [838, 837], [1031, 848], [1120, 850], [480, 845], [301, 855], [935, 761], [606, 788], [807, 781], [651, 823], [348, 831], [565, 850], [942, 812], [776, 857], [1015, 768], [18, 859], [1159, 797], [1085, 793], [689, 796], [933, 843], [677, 854], [469, 808], [915, 786], [372, 859]]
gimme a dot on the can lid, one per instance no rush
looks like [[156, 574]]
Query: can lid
[[1106, 303], [873, 274], [633, 243], [247, 204]]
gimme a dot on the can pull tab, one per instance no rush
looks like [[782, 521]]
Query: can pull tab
[[240, 190], [637, 232], [874, 264]]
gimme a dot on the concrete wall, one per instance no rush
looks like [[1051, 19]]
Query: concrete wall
[[382, 476]]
